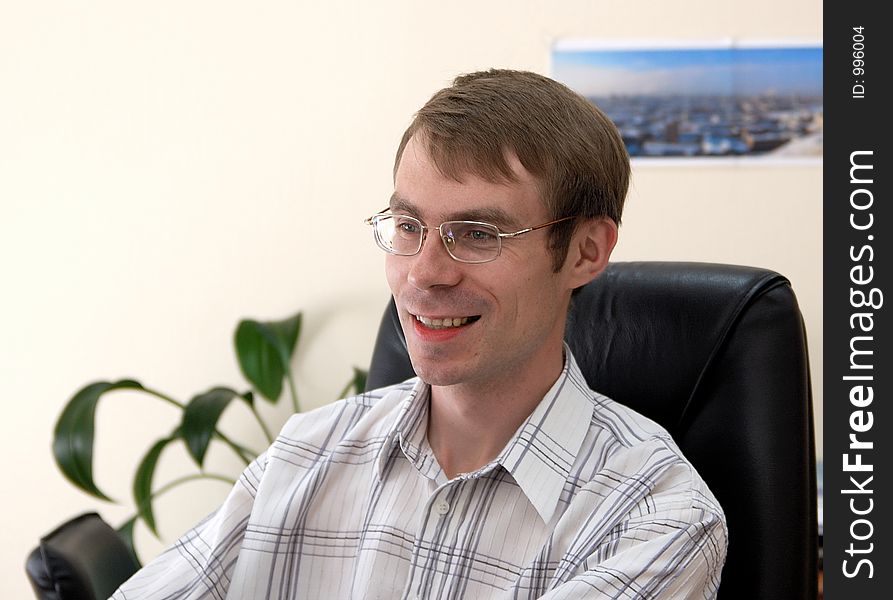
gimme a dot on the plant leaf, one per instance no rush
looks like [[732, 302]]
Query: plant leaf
[[259, 358], [126, 533], [264, 350], [200, 419], [357, 385], [73, 436], [359, 380], [142, 481]]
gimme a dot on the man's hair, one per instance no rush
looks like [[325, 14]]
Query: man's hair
[[570, 146]]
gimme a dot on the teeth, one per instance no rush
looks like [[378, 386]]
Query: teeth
[[442, 323]]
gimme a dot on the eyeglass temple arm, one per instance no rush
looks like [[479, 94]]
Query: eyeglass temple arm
[[368, 220], [529, 229]]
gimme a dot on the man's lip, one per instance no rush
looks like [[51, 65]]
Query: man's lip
[[437, 334], [428, 320], [433, 329], [443, 316]]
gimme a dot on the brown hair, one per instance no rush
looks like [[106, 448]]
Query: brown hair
[[563, 140]]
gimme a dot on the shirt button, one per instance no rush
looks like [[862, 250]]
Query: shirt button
[[442, 507]]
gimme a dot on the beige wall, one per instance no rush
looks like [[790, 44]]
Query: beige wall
[[169, 167]]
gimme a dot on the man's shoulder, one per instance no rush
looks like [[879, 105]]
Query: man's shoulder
[[640, 450], [611, 421], [625, 426]]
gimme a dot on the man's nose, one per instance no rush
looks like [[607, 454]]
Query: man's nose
[[433, 266]]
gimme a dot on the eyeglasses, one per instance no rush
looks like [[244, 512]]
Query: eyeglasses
[[465, 241]]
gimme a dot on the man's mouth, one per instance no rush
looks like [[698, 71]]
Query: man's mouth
[[446, 322]]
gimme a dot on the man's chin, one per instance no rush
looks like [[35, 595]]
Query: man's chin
[[437, 372]]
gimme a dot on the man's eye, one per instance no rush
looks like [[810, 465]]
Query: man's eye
[[408, 227], [480, 235]]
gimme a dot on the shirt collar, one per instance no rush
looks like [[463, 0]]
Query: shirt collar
[[539, 456], [543, 451], [409, 432]]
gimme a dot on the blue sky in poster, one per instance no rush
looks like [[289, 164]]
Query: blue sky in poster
[[725, 71]]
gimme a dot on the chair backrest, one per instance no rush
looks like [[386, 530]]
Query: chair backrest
[[717, 355], [82, 559]]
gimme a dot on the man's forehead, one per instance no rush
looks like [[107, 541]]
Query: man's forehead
[[483, 210], [459, 190]]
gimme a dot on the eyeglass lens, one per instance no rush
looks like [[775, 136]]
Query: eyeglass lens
[[464, 240]]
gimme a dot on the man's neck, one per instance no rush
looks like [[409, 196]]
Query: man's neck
[[469, 425]]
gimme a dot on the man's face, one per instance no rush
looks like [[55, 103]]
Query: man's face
[[515, 306]]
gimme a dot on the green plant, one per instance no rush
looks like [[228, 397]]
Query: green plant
[[264, 351]]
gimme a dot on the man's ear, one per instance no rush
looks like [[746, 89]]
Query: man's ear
[[590, 249]]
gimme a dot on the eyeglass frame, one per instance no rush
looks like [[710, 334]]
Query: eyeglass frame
[[443, 238]]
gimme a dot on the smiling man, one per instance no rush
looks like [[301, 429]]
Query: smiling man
[[497, 472], [484, 311]]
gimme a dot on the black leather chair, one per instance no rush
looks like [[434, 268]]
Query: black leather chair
[[82, 559], [717, 355]]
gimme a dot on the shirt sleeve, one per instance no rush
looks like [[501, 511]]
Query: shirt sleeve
[[682, 563], [200, 564]]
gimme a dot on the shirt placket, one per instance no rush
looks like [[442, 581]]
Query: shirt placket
[[440, 518]]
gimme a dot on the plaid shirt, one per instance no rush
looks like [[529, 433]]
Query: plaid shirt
[[588, 500]]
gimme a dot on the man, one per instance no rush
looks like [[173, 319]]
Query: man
[[496, 473]]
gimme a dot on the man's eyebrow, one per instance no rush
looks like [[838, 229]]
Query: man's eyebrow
[[485, 214], [401, 204]]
